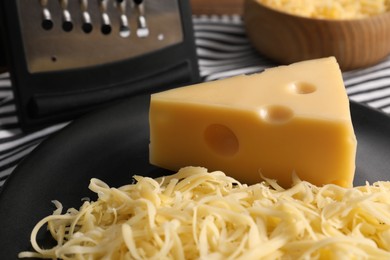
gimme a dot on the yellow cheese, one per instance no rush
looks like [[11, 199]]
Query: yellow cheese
[[285, 120]]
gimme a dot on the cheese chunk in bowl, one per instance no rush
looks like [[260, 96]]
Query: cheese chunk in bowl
[[331, 9], [357, 35]]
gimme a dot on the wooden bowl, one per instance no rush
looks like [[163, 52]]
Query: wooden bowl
[[288, 38]]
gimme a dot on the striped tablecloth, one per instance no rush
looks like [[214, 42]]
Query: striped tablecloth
[[224, 51]]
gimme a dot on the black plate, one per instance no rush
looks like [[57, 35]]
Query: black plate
[[112, 144]]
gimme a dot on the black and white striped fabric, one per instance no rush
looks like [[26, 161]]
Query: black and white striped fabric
[[223, 51]]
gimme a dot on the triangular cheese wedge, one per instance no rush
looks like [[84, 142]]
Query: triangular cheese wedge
[[285, 120]]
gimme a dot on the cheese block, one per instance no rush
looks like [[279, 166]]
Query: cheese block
[[286, 120]]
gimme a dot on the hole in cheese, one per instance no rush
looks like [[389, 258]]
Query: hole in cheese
[[221, 140], [303, 88], [276, 114]]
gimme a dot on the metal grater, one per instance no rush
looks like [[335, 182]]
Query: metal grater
[[67, 57]]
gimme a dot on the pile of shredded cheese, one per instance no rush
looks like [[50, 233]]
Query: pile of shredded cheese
[[330, 9], [196, 214]]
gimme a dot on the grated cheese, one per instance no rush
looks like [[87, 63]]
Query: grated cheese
[[330, 9], [196, 214]]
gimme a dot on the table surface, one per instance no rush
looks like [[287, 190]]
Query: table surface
[[223, 51]]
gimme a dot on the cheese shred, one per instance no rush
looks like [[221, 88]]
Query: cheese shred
[[196, 214]]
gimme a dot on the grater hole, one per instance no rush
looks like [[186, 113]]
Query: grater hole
[[47, 24], [124, 31], [87, 27], [67, 26], [106, 29]]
